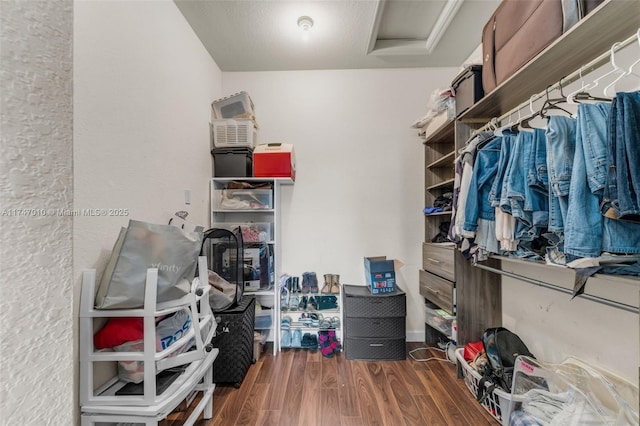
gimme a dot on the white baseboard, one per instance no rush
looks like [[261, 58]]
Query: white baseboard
[[415, 336]]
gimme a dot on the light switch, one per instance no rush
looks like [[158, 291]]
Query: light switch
[[187, 196]]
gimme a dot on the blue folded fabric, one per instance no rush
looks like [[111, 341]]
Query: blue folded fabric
[[431, 210]]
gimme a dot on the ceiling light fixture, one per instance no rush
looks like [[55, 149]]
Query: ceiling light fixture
[[444, 20], [305, 23]]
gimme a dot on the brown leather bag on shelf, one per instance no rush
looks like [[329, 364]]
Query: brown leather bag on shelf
[[519, 30]]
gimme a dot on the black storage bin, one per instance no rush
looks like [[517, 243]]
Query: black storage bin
[[232, 162], [234, 339], [375, 324], [467, 87]]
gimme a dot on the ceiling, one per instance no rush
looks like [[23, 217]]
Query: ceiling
[[262, 35]]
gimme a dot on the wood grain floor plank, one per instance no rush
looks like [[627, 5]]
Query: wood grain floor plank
[[250, 411], [429, 411], [347, 391], [366, 391], [268, 418], [232, 407], [385, 398], [329, 407], [293, 390], [402, 393], [278, 379], [329, 378]]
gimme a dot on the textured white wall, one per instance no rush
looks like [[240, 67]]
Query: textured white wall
[[359, 189], [36, 291]]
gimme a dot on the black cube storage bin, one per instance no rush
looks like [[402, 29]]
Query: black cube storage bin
[[375, 324], [467, 87], [234, 339], [232, 162]]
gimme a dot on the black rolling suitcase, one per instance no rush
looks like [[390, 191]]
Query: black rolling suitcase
[[234, 339]]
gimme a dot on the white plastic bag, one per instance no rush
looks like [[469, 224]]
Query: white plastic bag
[[168, 332]]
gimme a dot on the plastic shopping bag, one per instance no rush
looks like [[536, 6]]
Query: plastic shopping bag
[[145, 245]]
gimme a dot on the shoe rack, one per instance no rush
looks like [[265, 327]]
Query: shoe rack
[[310, 313]]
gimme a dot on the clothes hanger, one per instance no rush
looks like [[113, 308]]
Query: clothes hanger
[[533, 120], [610, 90], [500, 130], [552, 107], [582, 94]]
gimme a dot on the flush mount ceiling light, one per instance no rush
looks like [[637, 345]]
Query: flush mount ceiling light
[[305, 23]]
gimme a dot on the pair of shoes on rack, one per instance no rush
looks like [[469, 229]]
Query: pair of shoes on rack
[[294, 285], [309, 282], [331, 284], [296, 340], [286, 339], [303, 303], [309, 341], [294, 301], [329, 343], [285, 323]]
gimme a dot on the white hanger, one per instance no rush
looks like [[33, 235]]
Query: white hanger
[[499, 130], [533, 120], [571, 98], [627, 73]]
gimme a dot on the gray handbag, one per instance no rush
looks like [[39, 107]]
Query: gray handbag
[[145, 245]]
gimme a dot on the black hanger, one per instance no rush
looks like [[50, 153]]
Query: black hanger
[[553, 104]]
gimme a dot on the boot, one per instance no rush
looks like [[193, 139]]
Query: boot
[[325, 344], [326, 289], [313, 282], [333, 341], [306, 288], [295, 284], [335, 284]]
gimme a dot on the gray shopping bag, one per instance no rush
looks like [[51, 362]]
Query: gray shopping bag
[[146, 245]]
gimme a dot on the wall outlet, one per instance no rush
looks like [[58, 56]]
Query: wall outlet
[[187, 196]]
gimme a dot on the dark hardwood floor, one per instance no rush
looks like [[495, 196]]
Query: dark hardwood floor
[[298, 387]]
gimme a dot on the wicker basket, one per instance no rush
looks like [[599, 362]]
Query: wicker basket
[[498, 403]]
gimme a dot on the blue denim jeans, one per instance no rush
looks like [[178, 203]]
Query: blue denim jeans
[[587, 232], [513, 184], [560, 149], [495, 194], [536, 190], [622, 192], [485, 168]]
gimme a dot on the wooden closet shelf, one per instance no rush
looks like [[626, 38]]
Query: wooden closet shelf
[[612, 21]]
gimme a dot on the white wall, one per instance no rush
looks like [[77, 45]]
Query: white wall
[[359, 189], [143, 85], [36, 290], [554, 327]]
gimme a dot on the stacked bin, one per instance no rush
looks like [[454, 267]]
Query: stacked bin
[[234, 134]]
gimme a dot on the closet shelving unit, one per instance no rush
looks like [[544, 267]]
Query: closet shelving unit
[[102, 404], [222, 217], [478, 293], [437, 278]]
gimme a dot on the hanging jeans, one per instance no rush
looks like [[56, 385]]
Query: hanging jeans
[[622, 191], [587, 232], [561, 144]]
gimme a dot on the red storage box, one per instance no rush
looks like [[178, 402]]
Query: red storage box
[[274, 160]]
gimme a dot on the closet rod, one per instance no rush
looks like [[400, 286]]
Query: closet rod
[[565, 81], [597, 299]]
